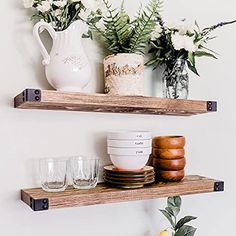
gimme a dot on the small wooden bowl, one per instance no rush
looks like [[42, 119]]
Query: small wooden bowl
[[163, 164], [171, 176], [168, 153], [169, 142]]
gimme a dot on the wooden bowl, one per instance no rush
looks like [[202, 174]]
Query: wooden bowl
[[168, 153], [171, 176], [163, 164], [169, 142]]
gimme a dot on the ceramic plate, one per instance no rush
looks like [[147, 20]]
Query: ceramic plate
[[129, 180], [129, 176], [113, 169], [123, 183]]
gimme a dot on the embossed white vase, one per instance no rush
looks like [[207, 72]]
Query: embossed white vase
[[124, 74], [67, 66]]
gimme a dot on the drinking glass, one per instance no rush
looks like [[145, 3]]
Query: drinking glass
[[53, 174], [84, 172]]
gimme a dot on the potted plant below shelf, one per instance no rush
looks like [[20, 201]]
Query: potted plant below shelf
[[177, 227], [126, 40], [176, 47]]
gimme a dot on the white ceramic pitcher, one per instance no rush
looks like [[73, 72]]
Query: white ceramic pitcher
[[67, 66]]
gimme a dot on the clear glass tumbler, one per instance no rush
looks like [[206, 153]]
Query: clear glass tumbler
[[53, 174], [84, 172]]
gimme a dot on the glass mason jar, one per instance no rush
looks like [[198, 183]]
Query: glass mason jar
[[176, 80]]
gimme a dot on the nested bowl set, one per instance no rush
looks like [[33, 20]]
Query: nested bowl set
[[130, 152], [168, 157]]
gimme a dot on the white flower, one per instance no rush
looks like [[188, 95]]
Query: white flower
[[28, 3], [156, 33], [44, 7], [177, 41], [183, 42], [182, 26], [189, 44], [185, 27], [60, 3]]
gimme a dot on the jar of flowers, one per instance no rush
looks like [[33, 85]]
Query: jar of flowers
[[125, 39], [67, 66], [176, 46]]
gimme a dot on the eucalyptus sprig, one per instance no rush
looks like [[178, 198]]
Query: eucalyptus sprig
[[178, 227], [123, 35]]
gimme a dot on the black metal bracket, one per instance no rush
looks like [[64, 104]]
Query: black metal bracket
[[211, 106], [31, 95], [219, 186], [28, 95], [39, 204]]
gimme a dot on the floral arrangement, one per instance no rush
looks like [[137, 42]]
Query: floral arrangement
[[123, 35], [170, 42], [61, 13], [178, 227]]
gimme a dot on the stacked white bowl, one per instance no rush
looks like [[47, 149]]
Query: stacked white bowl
[[129, 150]]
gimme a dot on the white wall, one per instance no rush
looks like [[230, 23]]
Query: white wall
[[28, 135]]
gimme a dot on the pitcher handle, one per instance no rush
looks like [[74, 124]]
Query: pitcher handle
[[43, 25]]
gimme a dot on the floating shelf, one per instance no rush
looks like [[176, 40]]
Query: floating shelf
[[39, 200], [54, 100]]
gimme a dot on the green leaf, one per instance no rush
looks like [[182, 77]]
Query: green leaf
[[169, 217], [206, 54], [184, 220], [170, 211], [143, 26], [191, 58], [174, 201], [186, 230], [192, 68]]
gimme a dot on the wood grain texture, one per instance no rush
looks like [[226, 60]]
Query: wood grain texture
[[103, 194], [54, 100]]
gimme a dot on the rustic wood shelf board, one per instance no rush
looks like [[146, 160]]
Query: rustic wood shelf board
[[39, 200], [54, 100]]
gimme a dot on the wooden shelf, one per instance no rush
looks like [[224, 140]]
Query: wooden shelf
[[54, 100], [39, 200]]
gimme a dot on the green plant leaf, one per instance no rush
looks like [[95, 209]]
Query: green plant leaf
[[192, 68], [191, 58], [168, 217], [186, 230], [174, 201], [184, 220], [143, 26], [206, 54], [170, 211]]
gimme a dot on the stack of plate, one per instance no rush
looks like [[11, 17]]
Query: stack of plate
[[129, 179]]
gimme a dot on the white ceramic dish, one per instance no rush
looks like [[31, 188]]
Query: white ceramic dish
[[130, 163], [127, 135], [129, 151], [130, 143]]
